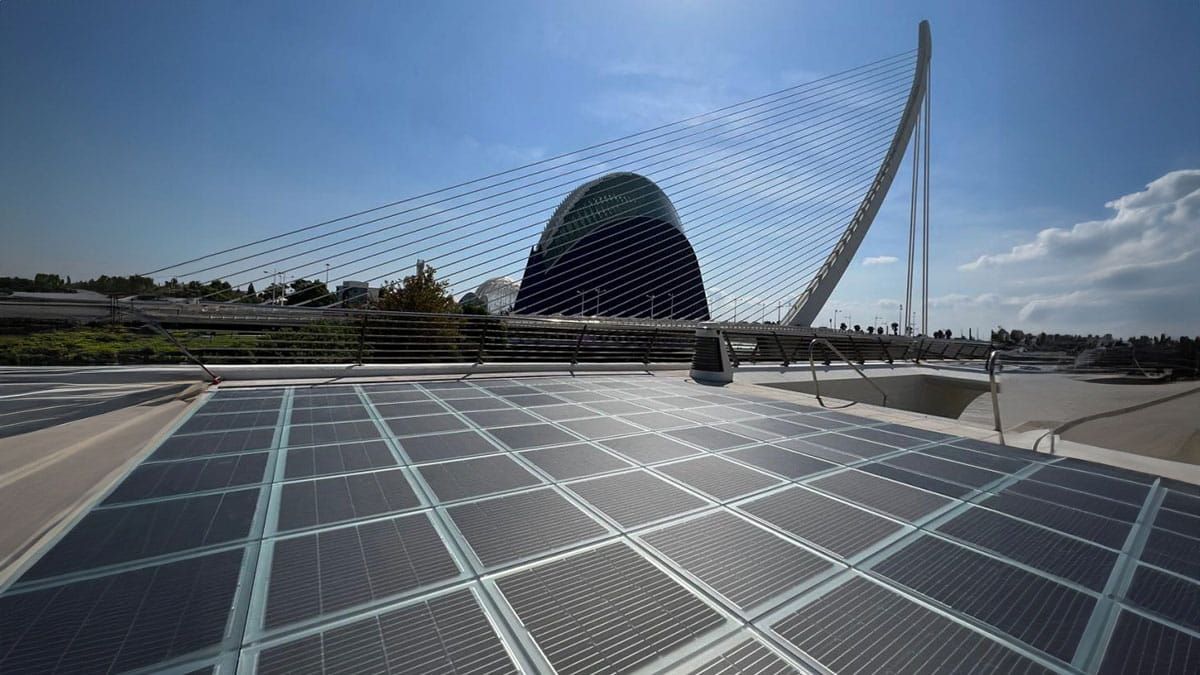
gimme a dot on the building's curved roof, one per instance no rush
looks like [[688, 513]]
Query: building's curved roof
[[612, 197]]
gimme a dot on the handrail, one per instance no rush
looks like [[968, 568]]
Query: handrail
[[993, 360], [1070, 424], [817, 385]]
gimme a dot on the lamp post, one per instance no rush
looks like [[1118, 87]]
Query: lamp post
[[835, 323], [582, 311], [598, 292], [651, 296], [671, 296]]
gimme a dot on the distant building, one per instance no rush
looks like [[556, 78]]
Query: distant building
[[614, 247], [498, 294], [351, 293]]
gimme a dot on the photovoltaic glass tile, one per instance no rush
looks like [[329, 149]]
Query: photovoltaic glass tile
[[923, 434], [425, 424], [446, 446], [890, 497], [1177, 521], [532, 436], [409, 409], [718, 477], [1079, 500], [215, 406], [331, 570], [323, 460], [465, 478], [853, 446], [819, 451], [331, 500], [302, 400], [739, 560], [1179, 501], [649, 448], [446, 634], [503, 529], [777, 428], [979, 459], [1031, 608], [1078, 561], [402, 396], [344, 413], [120, 621], [709, 438], [202, 445], [574, 461], [845, 629], [565, 412], [782, 462], [1112, 488], [473, 404], [327, 434], [1106, 470], [833, 525], [1105, 531], [616, 407], [748, 657], [1001, 450], [1141, 646], [501, 418], [167, 479], [1173, 551], [1166, 595], [125, 533], [241, 420], [885, 437], [636, 497], [657, 421], [606, 610], [946, 470], [599, 427]]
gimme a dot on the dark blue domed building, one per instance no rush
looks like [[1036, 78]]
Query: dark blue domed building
[[614, 247]]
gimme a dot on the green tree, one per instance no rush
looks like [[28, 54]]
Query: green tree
[[419, 292], [311, 293]]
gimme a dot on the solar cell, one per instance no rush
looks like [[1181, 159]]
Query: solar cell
[[1074, 499], [329, 459], [980, 459], [709, 438], [741, 561], [331, 570], [574, 461], [718, 477], [166, 479], [425, 424], [331, 500], [1166, 595], [446, 446], [748, 657], [1001, 450], [783, 462], [504, 529], [500, 418], [854, 446], [649, 448], [916, 479], [565, 412], [1069, 558], [1101, 530], [709, 414], [1146, 647], [412, 409], [599, 427], [607, 610], [890, 497], [465, 478], [946, 470], [311, 399], [532, 436], [321, 391], [616, 407], [121, 621], [1173, 551], [860, 627], [125, 533], [1106, 470], [1031, 608], [885, 437], [239, 420], [814, 450], [777, 428], [448, 633], [1179, 501], [201, 445], [401, 396], [485, 403], [635, 498], [533, 400], [343, 413], [833, 525], [923, 434], [328, 434], [1112, 488], [1175, 521], [216, 406], [657, 421]]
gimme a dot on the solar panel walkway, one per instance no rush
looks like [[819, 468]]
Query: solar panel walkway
[[604, 524]]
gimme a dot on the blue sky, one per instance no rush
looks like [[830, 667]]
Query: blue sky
[[133, 134]]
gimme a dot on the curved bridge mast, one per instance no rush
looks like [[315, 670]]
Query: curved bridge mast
[[810, 302]]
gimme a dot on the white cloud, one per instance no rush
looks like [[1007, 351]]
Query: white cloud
[[880, 260]]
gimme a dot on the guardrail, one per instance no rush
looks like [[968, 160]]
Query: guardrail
[[817, 385], [993, 362]]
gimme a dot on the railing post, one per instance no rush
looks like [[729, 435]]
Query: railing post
[[779, 344], [578, 345], [732, 352], [711, 361], [482, 339], [649, 348], [992, 361], [362, 338]]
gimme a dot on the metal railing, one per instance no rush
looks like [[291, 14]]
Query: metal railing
[[993, 361], [817, 384]]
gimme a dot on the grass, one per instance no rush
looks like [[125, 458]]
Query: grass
[[108, 345]]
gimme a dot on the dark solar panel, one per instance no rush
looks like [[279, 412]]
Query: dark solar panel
[[313, 400], [819, 451], [1112, 488], [125, 533], [166, 479], [916, 480], [1001, 450], [649, 448], [449, 633], [748, 657], [345, 413], [945, 470], [1167, 595], [465, 478], [327, 434], [980, 459], [201, 445], [240, 405], [860, 627], [616, 407], [334, 569], [739, 560], [1069, 558], [330, 459], [121, 621], [532, 436], [241, 420], [533, 400], [600, 427], [1179, 501], [565, 412], [425, 424], [885, 437], [322, 390], [890, 497], [718, 477], [1141, 646], [503, 529], [828, 523], [1106, 470], [401, 396], [777, 428], [923, 434], [1176, 521], [709, 438], [1043, 613], [574, 461], [854, 446], [500, 418], [607, 610], [1101, 530], [475, 404], [1173, 551], [412, 409], [658, 421], [331, 500], [783, 462], [1077, 500], [636, 497], [446, 446]]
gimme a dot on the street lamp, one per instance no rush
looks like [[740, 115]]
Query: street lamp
[[598, 292], [835, 323], [582, 311], [672, 297], [651, 296]]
